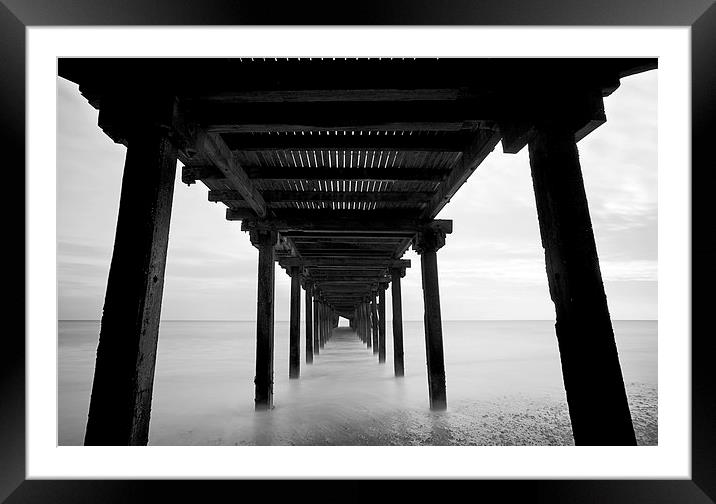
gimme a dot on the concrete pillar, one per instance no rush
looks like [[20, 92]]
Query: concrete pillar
[[121, 399], [265, 241], [309, 323], [398, 363], [427, 244], [592, 375], [294, 359], [381, 322]]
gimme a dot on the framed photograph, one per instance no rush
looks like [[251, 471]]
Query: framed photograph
[[650, 113]]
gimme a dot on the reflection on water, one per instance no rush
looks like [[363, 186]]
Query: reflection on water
[[504, 387]]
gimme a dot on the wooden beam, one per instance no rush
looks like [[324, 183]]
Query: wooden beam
[[581, 110], [332, 95], [341, 79], [373, 221], [515, 136], [347, 238], [347, 254], [364, 234], [482, 144], [348, 283], [453, 142], [365, 116], [415, 175], [262, 174], [347, 241], [343, 263], [211, 146], [406, 197], [328, 247], [348, 272], [191, 173]]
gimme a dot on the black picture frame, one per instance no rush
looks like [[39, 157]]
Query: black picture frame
[[700, 15]]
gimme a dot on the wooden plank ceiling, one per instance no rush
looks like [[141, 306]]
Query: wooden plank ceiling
[[345, 158]]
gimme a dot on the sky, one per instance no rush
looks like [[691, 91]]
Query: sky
[[491, 267]]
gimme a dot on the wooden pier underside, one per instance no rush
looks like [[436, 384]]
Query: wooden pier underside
[[348, 162], [345, 158]]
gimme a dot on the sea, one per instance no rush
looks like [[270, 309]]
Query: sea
[[504, 386]]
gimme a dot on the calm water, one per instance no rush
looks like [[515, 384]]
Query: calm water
[[504, 386]]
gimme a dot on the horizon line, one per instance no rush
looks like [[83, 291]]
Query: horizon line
[[404, 320]]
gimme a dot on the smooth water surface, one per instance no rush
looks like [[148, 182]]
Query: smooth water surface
[[504, 386]]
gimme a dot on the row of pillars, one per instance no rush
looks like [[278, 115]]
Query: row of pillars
[[320, 320], [370, 318], [370, 324], [120, 403]]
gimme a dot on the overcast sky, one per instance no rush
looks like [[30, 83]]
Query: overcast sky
[[492, 266]]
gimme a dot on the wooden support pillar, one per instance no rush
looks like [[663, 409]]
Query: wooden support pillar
[[359, 322], [427, 243], [359, 325], [361, 328], [264, 240], [398, 363], [326, 324], [374, 321], [323, 324], [294, 359], [381, 323], [324, 318], [592, 375], [121, 399], [316, 325], [309, 323], [368, 325]]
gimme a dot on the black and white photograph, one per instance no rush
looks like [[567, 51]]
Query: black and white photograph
[[357, 251], [416, 244]]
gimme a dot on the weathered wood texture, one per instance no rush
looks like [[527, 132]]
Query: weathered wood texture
[[374, 322], [294, 359], [265, 242], [427, 245], [316, 325], [367, 323], [267, 143], [213, 147], [309, 323], [121, 397], [591, 371], [398, 361], [348, 161], [381, 325]]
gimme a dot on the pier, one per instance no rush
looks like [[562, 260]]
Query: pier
[[334, 168]]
